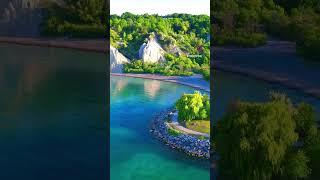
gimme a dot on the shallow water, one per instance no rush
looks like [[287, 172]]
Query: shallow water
[[52, 114], [135, 154]]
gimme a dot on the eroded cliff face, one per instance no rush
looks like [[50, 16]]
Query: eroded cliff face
[[117, 60], [151, 51]]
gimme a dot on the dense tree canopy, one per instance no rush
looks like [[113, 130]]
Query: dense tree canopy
[[265, 141], [193, 107], [188, 32], [180, 35], [77, 18]]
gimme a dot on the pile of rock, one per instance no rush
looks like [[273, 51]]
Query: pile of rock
[[189, 144]]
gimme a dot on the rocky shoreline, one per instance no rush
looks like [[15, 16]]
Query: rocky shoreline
[[186, 143]]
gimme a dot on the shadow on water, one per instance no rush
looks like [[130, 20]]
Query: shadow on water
[[52, 113]]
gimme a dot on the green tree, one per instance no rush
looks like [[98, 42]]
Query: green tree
[[261, 140], [193, 107]]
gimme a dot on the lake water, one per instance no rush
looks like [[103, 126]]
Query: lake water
[[52, 114], [135, 153], [53, 121], [229, 87]]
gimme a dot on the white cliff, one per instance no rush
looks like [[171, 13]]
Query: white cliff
[[117, 60], [151, 51]]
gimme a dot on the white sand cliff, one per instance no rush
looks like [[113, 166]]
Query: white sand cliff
[[117, 60], [151, 51]]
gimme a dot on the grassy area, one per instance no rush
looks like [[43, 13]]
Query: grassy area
[[174, 132], [199, 125]]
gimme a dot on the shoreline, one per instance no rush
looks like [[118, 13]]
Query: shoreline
[[188, 144], [275, 62], [100, 46], [91, 45], [193, 80], [271, 78]]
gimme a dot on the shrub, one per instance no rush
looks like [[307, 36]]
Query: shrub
[[173, 66], [240, 38], [204, 70], [53, 28], [193, 106], [309, 45]]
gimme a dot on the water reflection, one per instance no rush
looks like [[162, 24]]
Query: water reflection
[[119, 86], [151, 88], [27, 80]]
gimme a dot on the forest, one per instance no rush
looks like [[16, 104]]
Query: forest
[[179, 35], [249, 23], [77, 18]]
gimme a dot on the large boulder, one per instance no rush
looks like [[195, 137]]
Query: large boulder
[[151, 51], [117, 60]]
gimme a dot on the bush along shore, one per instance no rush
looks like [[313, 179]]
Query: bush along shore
[[191, 145]]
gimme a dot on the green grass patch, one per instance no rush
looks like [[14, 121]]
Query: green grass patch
[[199, 125], [174, 132]]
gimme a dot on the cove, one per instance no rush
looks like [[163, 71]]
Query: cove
[[135, 153]]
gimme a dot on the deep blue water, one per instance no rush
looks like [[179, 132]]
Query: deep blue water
[[52, 114]]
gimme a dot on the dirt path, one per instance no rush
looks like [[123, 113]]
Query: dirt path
[[177, 126]]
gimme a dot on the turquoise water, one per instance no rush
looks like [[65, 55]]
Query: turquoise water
[[135, 154]]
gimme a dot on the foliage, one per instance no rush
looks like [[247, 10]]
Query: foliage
[[173, 132], [240, 38], [265, 140], [75, 30], [77, 18], [314, 154], [306, 128], [177, 33], [246, 22], [138, 66], [193, 107], [204, 69], [179, 66]]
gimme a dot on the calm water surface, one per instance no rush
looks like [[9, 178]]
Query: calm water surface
[[52, 114], [229, 87], [135, 154]]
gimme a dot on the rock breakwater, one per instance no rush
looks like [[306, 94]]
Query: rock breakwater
[[191, 145]]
